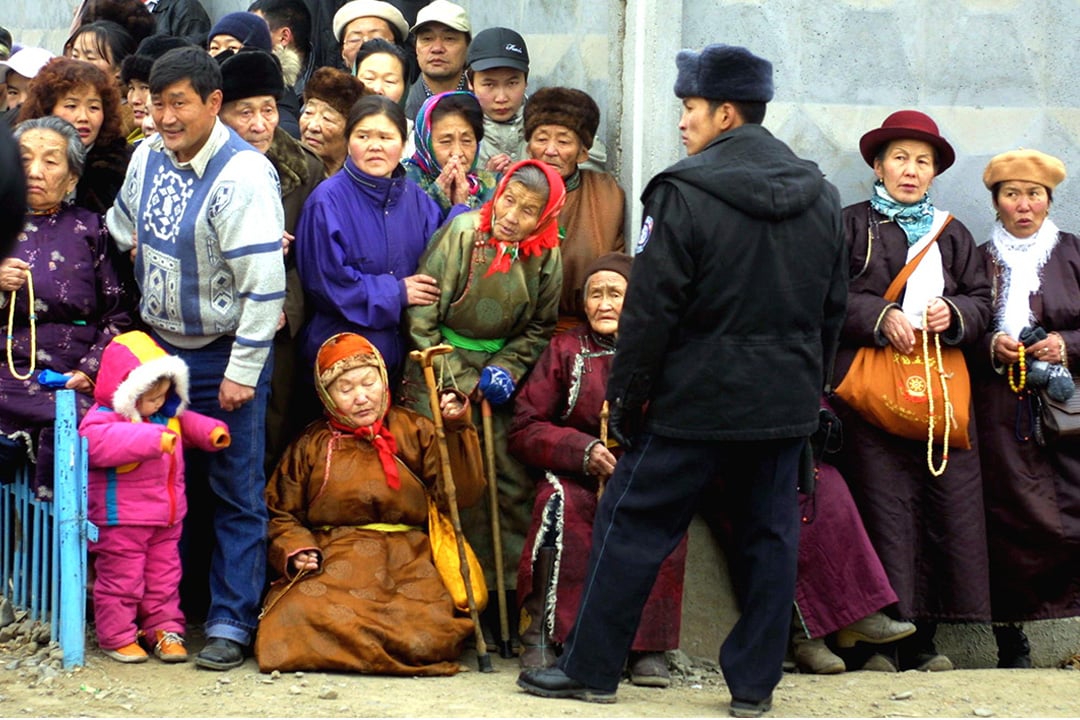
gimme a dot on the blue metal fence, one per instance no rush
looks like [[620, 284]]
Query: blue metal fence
[[43, 544]]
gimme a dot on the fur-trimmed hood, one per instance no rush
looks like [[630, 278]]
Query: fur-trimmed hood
[[130, 365], [291, 64]]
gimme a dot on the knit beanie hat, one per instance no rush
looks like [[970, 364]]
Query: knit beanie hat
[[250, 73], [616, 262], [246, 27], [137, 66], [1024, 165], [564, 106], [724, 72], [336, 88]]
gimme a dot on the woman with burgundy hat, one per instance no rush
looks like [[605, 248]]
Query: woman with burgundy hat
[[1030, 489], [929, 529]]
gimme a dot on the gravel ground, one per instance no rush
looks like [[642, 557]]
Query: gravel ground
[[33, 684]]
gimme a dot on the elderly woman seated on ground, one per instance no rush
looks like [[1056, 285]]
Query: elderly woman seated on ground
[[62, 265], [358, 589]]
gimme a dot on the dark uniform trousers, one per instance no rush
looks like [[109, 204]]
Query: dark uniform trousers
[[645, 510]]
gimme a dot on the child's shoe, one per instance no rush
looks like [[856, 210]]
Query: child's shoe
[[169, 647], [130, 653]]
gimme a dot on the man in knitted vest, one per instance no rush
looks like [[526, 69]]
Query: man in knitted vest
[[203, 210]]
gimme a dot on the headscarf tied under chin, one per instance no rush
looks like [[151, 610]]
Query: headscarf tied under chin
[[546, 233], [339, 354], [914, 219], [424, 157]]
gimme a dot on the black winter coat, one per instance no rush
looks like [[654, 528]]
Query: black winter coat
[[737, 296], [182, 18]]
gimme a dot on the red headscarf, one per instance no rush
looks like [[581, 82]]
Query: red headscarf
[[546, 233], [343, 352]]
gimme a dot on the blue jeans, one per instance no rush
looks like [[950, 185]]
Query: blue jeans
[[237, 485]]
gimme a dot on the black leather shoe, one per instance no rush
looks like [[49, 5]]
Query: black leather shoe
[[220, 654], [750, 708], [554, 683]]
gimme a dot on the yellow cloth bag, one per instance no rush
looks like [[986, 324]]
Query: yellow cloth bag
[[444, 552]]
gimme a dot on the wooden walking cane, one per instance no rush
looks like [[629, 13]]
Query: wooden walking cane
[[605, 413], [505, 651], [424, 357]]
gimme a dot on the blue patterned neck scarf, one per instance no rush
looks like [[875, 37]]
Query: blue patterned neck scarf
[[915, 219]]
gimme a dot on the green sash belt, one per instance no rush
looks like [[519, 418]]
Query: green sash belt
[[467, 343]]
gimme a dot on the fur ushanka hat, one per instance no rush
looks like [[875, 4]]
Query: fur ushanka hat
[[336, 88], [724, 72], [137, 65], [250, 73], [564, 106]]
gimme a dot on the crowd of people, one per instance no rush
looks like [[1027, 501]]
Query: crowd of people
[[242, 238]]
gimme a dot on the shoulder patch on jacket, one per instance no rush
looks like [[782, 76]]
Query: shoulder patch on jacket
[[646, 231]]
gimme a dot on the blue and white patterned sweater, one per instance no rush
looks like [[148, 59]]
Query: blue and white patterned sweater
[[209, 259]]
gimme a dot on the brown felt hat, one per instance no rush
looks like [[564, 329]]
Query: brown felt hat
[[1026, 165], [336, 88], [564, 106]]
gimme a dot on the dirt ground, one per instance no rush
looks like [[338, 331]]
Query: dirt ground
[[32, 686]]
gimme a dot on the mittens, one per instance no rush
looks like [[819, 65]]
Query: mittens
[[496, 384]]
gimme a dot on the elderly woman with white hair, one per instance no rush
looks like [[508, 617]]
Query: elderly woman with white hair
[[68, 300], [1030, 481]]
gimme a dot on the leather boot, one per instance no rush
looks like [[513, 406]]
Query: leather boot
[[536, 648], [877, 628], [812, 655], [1014, 651], [918, 651]]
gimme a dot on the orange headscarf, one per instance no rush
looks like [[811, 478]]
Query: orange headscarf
[[343, 352]]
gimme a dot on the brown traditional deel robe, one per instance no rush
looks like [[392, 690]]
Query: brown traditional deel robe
[[1032, 493], [929, 532], [592, 223], [377, 604]]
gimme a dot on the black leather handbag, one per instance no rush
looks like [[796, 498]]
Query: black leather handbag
[[1059, 420]]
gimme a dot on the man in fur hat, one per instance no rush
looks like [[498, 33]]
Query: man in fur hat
[[729, 326], [251, 83], [560, 127]]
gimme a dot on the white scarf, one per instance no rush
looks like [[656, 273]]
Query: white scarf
[[927, 281], [1022, 260]]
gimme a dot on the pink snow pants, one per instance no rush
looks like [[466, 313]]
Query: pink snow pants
[[137, 583]]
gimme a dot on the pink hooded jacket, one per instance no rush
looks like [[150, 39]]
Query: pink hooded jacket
[[137, 464]]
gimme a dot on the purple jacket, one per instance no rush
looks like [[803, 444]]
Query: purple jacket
[[357, 240]]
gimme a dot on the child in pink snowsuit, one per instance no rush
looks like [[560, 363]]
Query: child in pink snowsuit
[[136, 433]]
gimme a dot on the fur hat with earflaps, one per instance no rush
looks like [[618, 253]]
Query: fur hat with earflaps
[[724, 72], [569, 107], [336, 88], [137, 66]]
